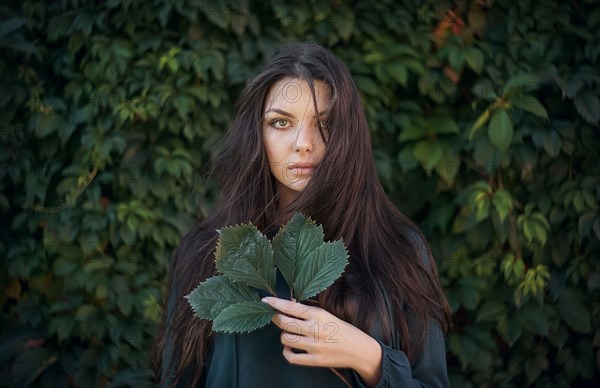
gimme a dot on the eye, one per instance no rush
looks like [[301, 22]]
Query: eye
[[280, 123]]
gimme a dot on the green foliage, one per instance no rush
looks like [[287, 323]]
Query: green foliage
[[484, 119], [308, 264], [245, 255], [215, 294], [292, 243], [243, 317], [245, 258]]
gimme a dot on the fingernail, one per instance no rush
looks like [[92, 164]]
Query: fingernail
[[265, 299]]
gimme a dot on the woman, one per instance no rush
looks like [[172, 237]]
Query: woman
[[300, 142]]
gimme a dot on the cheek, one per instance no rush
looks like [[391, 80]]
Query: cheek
[[275, 147], [268, 146]]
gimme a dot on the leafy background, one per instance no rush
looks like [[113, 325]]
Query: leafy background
[[110, 111]]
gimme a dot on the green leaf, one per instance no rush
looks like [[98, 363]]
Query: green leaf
[[500, 130], [588, 106], [245, 255], [295, 241], [215, 294], [428, 153], [518, 269], [532, 318], [366, 85], [412, 130], [441, 124], [520, 82], [85, 312], [585, 224], [474, 59], [243, 317], [551, 143], [343, 22], [503, 203], [491, 310], [456, 57], [535, 363], [398, 73], [10, 25], [484, 89], [510, 329], [571, 307], [321, 268], [64, 266], [531, 104]]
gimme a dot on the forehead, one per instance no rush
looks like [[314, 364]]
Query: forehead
[[295, 91]]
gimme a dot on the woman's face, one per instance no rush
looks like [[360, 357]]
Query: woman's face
[[291, 134]]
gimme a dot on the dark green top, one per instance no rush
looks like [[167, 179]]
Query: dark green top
[[255, 359]]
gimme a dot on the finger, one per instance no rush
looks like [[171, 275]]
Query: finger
[[289, 324], [288, 307], [306, 359], [297, 341]]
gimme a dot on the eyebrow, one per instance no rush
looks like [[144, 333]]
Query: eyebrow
[[288, 114]]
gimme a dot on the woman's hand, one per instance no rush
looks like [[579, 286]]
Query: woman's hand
[[327, 340]]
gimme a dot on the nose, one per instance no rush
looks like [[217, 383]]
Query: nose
[[306, 138]]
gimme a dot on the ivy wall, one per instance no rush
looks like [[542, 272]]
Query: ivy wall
[[485, 120]]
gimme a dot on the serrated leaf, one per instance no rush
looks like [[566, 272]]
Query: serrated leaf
[[320, 269], [245, 255], [500, 130], [585, 224], [521, 82], [574, 312], [588, 106], [243, 317], [215, 294], [531, 104], [295, 241], [510, 329], [491, 310], [533, 319], [485, 89]]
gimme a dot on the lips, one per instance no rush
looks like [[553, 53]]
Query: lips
[[302, 169]]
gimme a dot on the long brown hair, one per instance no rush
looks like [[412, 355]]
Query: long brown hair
[[391, 280]]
